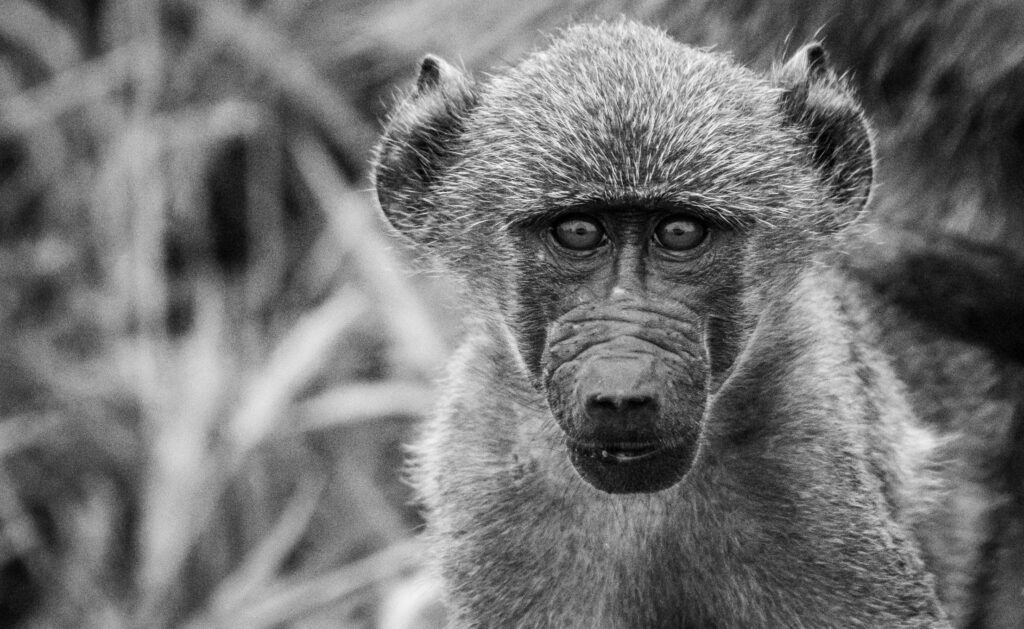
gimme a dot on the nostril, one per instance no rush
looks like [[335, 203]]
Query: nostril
[[619, 402]]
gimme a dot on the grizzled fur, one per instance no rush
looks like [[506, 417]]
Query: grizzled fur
[[800, 506]]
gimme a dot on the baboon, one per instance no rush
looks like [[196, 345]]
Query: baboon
[[672, 408]]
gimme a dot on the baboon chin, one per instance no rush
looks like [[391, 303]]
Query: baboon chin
[[629, 397]]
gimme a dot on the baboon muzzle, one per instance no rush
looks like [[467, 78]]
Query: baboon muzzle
[[631, 410], [620, 398]]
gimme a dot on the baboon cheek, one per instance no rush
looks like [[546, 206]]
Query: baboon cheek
[[631, 414]]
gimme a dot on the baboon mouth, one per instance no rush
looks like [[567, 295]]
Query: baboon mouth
[[619, 468], [617, 453]]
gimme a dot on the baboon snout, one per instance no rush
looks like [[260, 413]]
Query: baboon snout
[[630, 407], [631, 424]]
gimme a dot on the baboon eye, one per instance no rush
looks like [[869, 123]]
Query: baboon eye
[[679, 233], [578, 233]]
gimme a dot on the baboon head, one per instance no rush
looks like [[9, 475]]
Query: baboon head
[[623, 207]]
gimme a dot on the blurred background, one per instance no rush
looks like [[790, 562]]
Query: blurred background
[[211, 353]]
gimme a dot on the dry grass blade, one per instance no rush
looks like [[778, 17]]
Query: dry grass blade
[[19, 432], [263, 562], [127, 208], [82, 85], [185, 477], [295, 360], [416, 336], [208, 127], [138, 20], [355, 403], [18, 534], [260, 45], [31, 27], [289, 600]]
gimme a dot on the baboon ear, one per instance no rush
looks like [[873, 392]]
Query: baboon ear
[[419, 141], [822, 106]]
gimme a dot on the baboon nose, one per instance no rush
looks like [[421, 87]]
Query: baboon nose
[[619, 405], [619, 397], [620, 418]]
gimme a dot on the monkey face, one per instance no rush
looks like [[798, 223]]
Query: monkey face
[[625, 361], [624, 205]]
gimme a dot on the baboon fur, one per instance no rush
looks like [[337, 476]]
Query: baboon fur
[[814, 488]]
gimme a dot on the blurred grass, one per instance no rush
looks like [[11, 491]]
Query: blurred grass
[[208, 356]]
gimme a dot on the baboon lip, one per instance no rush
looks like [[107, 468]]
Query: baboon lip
[[623, 468], [617, 453]]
